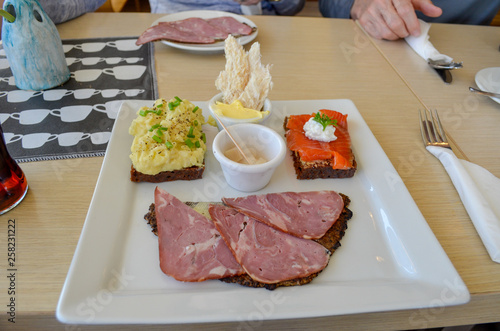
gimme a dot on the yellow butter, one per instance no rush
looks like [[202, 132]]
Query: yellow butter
[[236, 110], [173, 126]]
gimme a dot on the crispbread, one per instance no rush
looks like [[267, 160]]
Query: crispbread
[[244, 77]]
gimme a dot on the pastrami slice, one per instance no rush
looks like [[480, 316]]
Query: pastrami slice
[[231, 25], [191, 249], [163, 31], [199, 27], [303, 214], [267, 255]]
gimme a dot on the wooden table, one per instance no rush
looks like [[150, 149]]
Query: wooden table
[[313, 58]]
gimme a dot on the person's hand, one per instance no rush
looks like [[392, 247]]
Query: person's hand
[[392, 19]]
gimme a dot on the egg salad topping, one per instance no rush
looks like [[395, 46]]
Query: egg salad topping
[[167, 136]]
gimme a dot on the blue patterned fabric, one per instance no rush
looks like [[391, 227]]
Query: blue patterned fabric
[[283, 7], [61, 11]]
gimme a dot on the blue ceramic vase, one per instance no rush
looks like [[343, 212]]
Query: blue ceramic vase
[[33, 47]]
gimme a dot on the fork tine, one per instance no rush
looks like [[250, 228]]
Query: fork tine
[[438, 126], [431, 132], [423, 128]]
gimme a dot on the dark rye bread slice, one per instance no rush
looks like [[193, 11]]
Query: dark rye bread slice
[[317, 169], [190, 173], [331, 241]]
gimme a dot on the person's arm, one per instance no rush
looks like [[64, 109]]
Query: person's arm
[[65, 10], [335, 8], [392, 19], [288, 7]]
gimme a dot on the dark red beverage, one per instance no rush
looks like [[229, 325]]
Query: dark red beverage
[[13, 184]]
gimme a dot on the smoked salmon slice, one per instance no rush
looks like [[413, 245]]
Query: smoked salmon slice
[[338, 151]]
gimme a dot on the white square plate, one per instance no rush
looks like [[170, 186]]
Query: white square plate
[[389, 258]]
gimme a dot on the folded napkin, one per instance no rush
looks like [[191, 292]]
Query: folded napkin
[[251, 9], [479, 190], [424, 47]]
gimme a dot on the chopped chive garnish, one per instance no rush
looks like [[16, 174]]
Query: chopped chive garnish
[[190, 133], [178, 99], [197, 144], [154, 127], [143, 113], [195, 109], [157, 139], [203, 137], [171, 106], [195, 123], [159, 132], [189, 143], [168, 144]]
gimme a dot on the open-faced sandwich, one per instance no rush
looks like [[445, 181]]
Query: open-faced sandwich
[[320, 145], [168, 142], [267, 240]]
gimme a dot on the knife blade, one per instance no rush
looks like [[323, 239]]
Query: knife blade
[[445, 75]]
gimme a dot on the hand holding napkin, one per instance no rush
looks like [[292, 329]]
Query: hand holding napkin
[[423, 46], [480, 193]]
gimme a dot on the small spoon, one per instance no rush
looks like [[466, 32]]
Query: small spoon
[[490, 94], [233, 140], [441, 64]]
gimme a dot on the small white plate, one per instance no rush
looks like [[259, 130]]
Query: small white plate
[[389, 258], [488, 79], [217, 46]]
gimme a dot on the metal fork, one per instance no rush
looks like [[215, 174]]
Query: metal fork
[[480, 211], [432, 131]]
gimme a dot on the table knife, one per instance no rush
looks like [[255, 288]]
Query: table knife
[[445, 75]]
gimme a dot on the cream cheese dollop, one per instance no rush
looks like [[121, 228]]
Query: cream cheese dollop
[[314, 130]]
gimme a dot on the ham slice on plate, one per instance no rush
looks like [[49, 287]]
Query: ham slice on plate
[[191, 249], [266, 254], [231, 25], [168, 32], [199, 27], [305, 214]]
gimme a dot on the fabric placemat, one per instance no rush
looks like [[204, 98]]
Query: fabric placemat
[[76, 118]]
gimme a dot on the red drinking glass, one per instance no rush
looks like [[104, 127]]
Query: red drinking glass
[[13, 183]]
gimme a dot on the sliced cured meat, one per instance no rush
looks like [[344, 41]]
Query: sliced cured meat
[[168, 32], [266, 254], [338, 151], [199, 27], [190, 247], [304, 214], [231, 25]]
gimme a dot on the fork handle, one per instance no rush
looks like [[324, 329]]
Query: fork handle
[[483, 211]]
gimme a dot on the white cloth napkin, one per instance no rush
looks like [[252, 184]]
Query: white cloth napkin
[[423, 46], [479, 190], [251, 9]]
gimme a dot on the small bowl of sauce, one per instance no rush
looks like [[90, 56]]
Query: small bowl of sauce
[[263, 147]]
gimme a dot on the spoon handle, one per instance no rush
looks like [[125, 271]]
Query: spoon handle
[[490, 94]]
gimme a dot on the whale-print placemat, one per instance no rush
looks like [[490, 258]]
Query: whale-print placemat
[[76, 118]]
